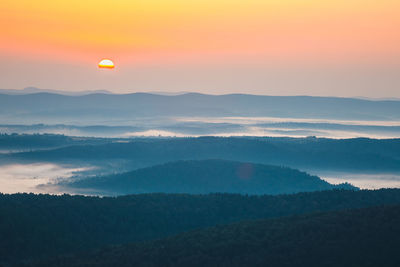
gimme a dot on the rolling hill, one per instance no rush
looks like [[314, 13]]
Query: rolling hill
[[207, 176]]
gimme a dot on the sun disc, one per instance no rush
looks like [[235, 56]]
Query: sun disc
[[106, 63]]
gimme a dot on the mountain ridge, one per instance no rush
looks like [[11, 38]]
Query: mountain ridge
[[137, 105], [35, 90]]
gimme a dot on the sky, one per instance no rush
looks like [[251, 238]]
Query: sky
[[270, 47]]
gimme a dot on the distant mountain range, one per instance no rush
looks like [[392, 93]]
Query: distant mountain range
[[34, 90], [95, 107]]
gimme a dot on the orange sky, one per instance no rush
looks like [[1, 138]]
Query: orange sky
[[148, 32], [149, 29]]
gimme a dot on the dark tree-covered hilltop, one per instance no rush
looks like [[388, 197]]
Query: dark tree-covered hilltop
[[207, 176], [365, 237], [39, 226]]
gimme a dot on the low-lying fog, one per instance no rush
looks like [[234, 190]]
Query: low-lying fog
[[217, 126], [28, 178], [362, 180]]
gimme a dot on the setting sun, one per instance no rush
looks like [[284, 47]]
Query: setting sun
[[106, 63]]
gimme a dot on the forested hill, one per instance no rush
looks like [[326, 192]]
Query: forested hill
[[207, 176], [365, 237], [35, 226]]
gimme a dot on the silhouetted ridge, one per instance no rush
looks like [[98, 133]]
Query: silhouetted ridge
[[365, 237], [35, 226]]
